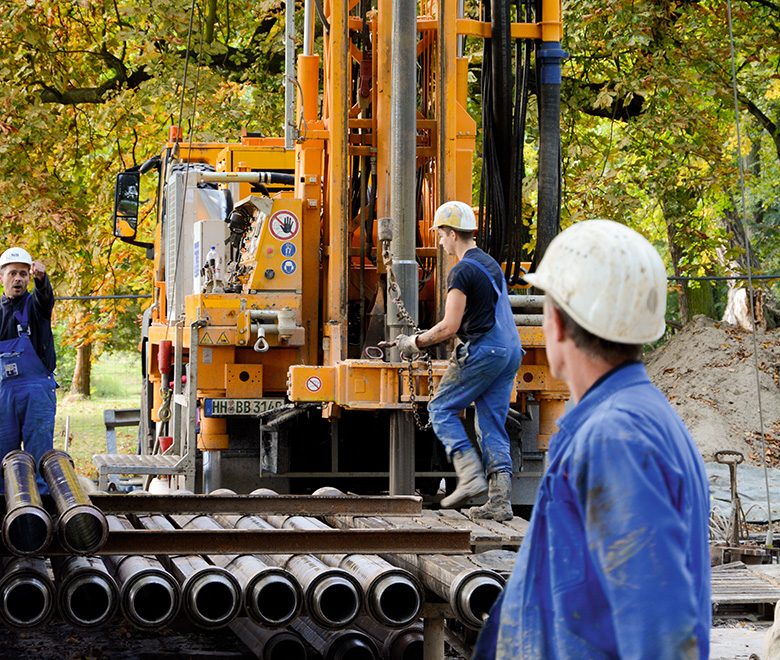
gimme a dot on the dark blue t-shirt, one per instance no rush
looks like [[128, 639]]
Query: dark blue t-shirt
[[480, 314]]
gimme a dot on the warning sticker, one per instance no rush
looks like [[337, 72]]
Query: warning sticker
[[314, 384], [206, 339], [288, 266], [223, 339], [284, 225], [288, 249]]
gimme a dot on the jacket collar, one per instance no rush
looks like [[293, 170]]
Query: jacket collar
[[624, 375], [5, 300]]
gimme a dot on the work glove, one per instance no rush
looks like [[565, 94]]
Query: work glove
[[407, 346]]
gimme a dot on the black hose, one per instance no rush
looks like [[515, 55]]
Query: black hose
[[548, 64]]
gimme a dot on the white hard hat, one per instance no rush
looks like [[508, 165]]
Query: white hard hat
[[15, 255], [456, 215], [608, 279]]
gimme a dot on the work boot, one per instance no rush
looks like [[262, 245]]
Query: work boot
[[471, 478], [498, 507]]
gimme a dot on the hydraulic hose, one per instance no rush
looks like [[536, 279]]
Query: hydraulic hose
[[548, 64]]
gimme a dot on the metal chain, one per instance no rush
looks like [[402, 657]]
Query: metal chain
[[403, 314]]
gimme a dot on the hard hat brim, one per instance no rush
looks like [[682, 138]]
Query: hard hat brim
[[533, 280]]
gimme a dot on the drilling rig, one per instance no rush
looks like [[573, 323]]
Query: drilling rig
[[280, 264]]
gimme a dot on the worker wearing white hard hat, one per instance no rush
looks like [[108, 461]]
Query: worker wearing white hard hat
[[482, 368], [27, 358], [616, 560]]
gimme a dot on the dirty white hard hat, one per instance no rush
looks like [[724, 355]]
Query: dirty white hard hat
[[15, 255], [456, 215], [608, 279]]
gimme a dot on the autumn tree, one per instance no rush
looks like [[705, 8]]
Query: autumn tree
[[89, 90]]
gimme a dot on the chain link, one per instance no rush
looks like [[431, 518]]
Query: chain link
[[403, 314]]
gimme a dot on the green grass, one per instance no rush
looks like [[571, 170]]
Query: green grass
[[116, 383]]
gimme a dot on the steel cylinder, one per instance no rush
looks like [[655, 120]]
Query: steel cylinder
[[393, 595], [26, 592], [271, 596], [150, 597], [27, 526], [473, 593], [395, 644], [87, 594], [469, 589], [82, 527], [343, 644], [267, 644], [332, 596], [211, 596]]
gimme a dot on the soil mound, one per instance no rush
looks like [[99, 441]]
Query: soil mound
[[708, 373]]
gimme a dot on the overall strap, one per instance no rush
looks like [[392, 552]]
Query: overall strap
[[23, 317], [487, 274]]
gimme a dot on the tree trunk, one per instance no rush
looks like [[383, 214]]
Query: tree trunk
[[700, 298], [676, 204], [82, 373]]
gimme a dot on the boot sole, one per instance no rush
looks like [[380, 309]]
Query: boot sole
[[455, 498]]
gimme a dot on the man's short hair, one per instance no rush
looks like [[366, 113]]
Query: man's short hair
[[462, 235], [610, 351]]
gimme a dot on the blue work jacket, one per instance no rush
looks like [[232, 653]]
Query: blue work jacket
[[616, 560]]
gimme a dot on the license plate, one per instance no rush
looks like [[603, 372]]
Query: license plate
[[225, 407]]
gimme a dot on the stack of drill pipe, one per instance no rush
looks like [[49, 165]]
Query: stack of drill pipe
[[27, 526], [211, 596], [87, 594], [272, 597], [342, 644], [393, 595], [470, 590], [26, 592], [83, 528], [268, 644], [394, 643], [332, 596], [149, 596], [530, 309]]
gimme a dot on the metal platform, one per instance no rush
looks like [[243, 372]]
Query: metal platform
[[130, 464]]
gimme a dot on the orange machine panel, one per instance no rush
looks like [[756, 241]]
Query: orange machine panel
[[243, 380]]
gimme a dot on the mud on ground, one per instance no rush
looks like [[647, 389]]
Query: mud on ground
[[707, 371]]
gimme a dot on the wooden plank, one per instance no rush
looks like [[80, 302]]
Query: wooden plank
[[518, 524], [736, 585]]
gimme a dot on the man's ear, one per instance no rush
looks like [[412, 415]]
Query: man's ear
[[558, 328]]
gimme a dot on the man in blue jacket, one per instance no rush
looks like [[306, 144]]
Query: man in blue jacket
[[27, 358], [616, 560]]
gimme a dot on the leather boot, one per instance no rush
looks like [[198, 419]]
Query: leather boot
[[498, 507], [471, 478]]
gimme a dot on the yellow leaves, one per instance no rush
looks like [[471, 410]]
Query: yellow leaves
[[604, 99], [773, 90]]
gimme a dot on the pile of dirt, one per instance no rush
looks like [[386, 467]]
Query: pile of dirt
[[708, 373]]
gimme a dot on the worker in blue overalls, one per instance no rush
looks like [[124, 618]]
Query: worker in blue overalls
[[482, 368], [616, 560], [27, 358]]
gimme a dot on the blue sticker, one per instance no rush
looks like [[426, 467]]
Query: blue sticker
[[288, 249], [288, 267]]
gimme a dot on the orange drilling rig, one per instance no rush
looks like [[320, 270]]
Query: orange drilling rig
[[280, 264]]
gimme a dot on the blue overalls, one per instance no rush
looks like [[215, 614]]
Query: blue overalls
[[481, 371], [28, 401]]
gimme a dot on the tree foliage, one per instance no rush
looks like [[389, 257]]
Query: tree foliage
[[90, 88]]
